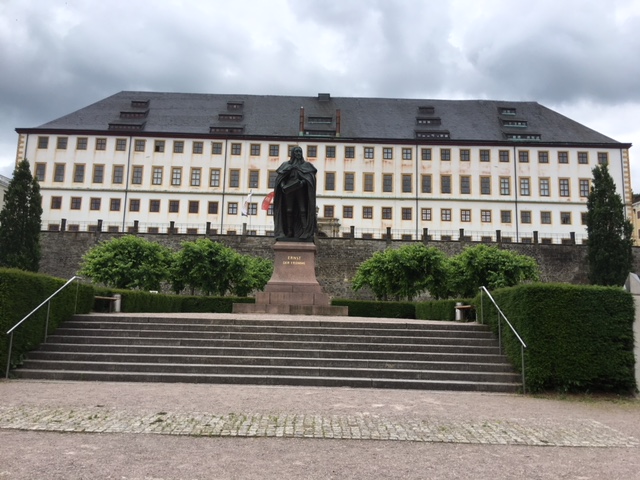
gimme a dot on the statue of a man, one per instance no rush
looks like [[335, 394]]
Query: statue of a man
[[294, 203]]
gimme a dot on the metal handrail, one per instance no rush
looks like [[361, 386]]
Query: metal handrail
[[46, 328], [522, 344]]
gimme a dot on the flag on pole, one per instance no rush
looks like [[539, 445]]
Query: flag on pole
[[268, 200], [245, 206]]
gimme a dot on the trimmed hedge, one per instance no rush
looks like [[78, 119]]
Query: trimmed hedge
[[441, 309], [20, 293], [363, 308], [579, 338]]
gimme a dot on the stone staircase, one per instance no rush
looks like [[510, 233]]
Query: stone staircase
[[270, 350]]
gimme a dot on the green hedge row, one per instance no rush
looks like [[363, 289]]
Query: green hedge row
[[364, 308], [20, 293], [145, 302], [579, 338], [442, 310]]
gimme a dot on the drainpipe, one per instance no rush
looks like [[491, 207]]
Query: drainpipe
[[224, 183], [126, 186]]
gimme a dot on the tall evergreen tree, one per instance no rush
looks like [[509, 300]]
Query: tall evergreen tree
[[609, 251], [20, 221]]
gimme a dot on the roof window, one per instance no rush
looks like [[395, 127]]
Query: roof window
[[507, 110], [515, 123], [428, 121], [426, 110], [230, 117], [228, 130], [327, 120], [523, 136], [235, 105], [425, 134], [140, 103]]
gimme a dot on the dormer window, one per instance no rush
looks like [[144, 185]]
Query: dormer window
[[515, 123], [523, 136], [227, 130], [235, 105], [134, 114], [230, 117], [325, 120], [126, 126], [434, 135], [428, 121], [140, 103], [426, 110], [507, 111]]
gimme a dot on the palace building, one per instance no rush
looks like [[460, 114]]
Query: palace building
[[198, 163]]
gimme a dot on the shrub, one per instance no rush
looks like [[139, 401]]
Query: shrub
[[440, 309], [363, 308]]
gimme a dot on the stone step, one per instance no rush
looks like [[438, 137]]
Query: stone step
[[271, 380]]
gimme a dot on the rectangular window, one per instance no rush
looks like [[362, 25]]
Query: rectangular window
[[101, 143], [563, 184], [136, 175], [178, 146], [274, 150], [368, 182], [194, 206], [216, 148], [407, 213], [78, 174], [545, 218], [232, 208], [114, 205], [272, 179], [523, 156], [485, 185], [368, 153], [176, 176], [349, 152], [118, 174], [445, 184], [485, 216], [134, 205], [445, 214], [367, 212], [214, 177], [94, 203], [465, 184], [174, 206], [81, 143], [76, 203], [425, 214], [583, 218], [543, 157], [154, 206], [347, 211], [425, 183], [425, 154], [603, 158], [98, 173], [329, 180], [407, 154], [312, 151], [212, 208], [196, 176], [525, 216], [158, 146], [387, 153], [525, 186], [236, 149], [583, 158], [234, 178], [197, 148], [61, 143], [505, 186], [544, 187], [387, 213], [156, 176], [407, 183], [563, 157], [58, 172], [56, 203], [121, 144], [139, 145], [254, 150], [331, 152], [349, 181], [485, 155], [505, 216], [465, 155], [584, 187], [465, 215], [254, 178], [328, 211], [445, 154], [387, 182], [503, 156], [565, 218], [41, 170]]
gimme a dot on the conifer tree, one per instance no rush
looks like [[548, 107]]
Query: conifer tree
[[20, 221], [609, 249]]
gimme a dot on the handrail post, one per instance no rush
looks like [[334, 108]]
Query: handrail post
[[522, 357], [46, 325], [9, 355]]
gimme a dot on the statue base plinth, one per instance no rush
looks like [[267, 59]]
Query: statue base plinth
[[293, 288]]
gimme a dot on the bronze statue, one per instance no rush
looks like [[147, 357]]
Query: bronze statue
[[294, 204]]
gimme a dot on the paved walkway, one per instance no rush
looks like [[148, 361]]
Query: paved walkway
[[190, 431]]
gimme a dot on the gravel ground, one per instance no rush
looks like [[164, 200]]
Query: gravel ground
[[157, 431]]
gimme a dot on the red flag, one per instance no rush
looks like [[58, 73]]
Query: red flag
[[266, 203]]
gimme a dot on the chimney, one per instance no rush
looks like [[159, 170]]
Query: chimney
[[324, 97], [338, 121], [301, 127]]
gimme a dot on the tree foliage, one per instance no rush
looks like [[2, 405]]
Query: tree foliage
[[610, 241], [409, 271], [20, 221], [128, 262]]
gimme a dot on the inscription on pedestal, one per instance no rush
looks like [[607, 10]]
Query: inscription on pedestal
[[294, 260]]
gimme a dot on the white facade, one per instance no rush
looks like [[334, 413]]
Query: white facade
[[404, 185]]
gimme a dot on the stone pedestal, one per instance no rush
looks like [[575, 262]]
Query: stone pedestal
[[293, 288]]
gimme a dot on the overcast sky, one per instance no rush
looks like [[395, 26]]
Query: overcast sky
[[578, 57]]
